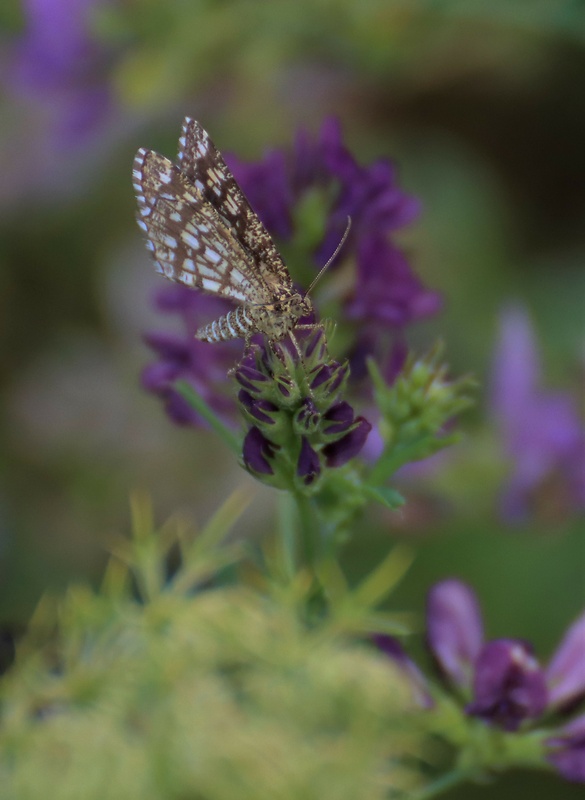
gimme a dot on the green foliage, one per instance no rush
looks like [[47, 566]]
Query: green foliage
[[415, 410], [190, 690]]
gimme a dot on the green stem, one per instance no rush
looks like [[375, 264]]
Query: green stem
[[439, 786], [308, 535], [286, 528], [198, 403]]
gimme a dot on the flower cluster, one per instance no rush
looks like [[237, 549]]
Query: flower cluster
[[299, 423], [385, 296], [415, 408], [501, 681]]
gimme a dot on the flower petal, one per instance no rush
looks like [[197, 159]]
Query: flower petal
[[454, 629], [509, 685], [565, 674]]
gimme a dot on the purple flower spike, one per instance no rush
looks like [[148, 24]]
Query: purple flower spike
[[567, 750], [565, 674], [454, 629], [257, 450], [509, 685], [308, 466], [392, 648], [343, 450]]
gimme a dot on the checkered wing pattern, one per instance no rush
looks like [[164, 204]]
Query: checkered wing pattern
[[205, 168], [191, 241]]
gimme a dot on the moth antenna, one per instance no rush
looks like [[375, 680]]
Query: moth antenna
[[330, 259]]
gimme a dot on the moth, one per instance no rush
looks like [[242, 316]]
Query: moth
[[203, 233]]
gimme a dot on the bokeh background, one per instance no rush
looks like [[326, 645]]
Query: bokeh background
[[481, 106]]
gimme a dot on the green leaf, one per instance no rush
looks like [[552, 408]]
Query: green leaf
[[388, 497]]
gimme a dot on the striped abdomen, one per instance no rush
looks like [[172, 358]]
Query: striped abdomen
[[236, 324]]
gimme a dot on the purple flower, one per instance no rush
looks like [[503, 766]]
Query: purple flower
[[258, 452], [58, 63], [565, 674], [308, 466], [343, 450], [503, 680], [184, 358], [542, 433], [508, 686], [309, 422], [386, 293], [566, 750], [454, 629]]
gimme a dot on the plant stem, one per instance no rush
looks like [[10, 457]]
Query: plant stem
[[198, 403], [286, 528], [307, 531]]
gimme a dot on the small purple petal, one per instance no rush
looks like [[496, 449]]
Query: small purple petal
[[394, 650], [256, 452], [454, 629], [308, 416], [339, 374], [567, 750], [321, 375], [332, 371], [343, 450], [565, 674], [340, 416], [317, 340], [308, 466], [259, 409], [248, 378], [509, 686]]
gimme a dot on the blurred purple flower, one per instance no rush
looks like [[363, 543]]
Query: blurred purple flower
[[387, 294], [542, 433], [181, 357], [504, 682], [454, 629], [567, 750], [60, 65], [566, 672], [387, 291], [508, 686]]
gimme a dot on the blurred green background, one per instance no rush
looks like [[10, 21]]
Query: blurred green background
[[482, 107]]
